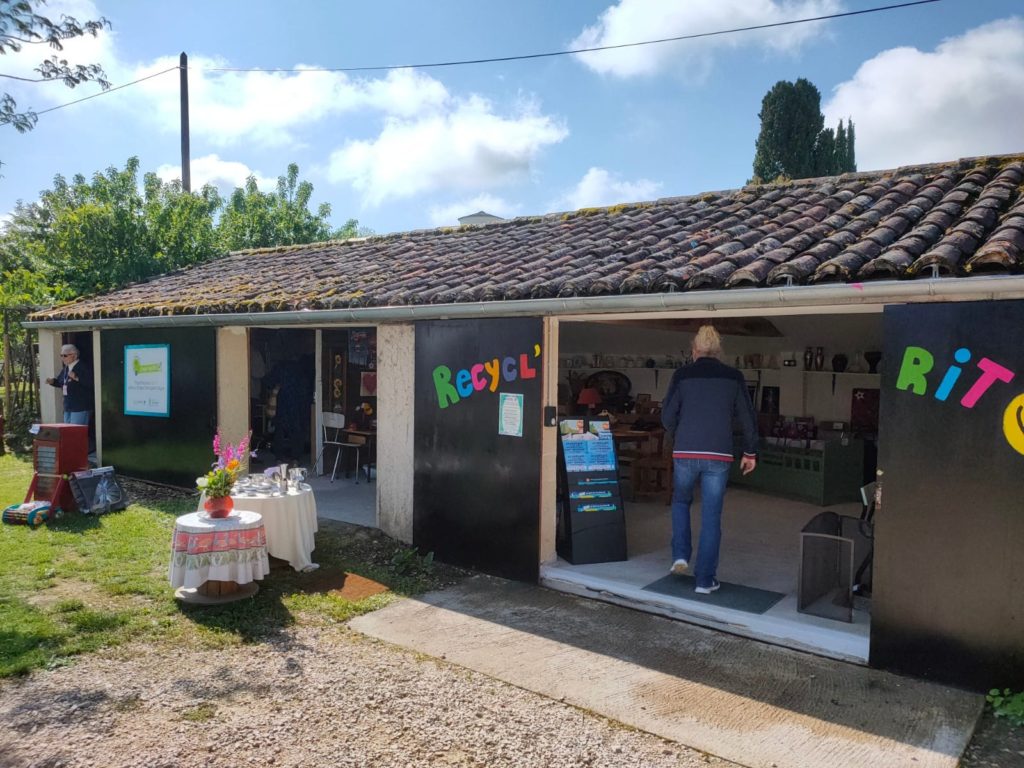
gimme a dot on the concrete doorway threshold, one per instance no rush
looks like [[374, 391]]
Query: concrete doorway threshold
[[752, 703]]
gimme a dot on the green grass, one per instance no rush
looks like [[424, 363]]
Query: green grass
[[81, 583]]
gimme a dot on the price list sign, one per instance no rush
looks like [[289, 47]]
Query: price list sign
[[592, 526]]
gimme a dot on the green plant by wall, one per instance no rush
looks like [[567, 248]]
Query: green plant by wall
[[408, 562], [1007, 704]]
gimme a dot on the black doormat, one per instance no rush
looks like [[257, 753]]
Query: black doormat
[[735, 596]]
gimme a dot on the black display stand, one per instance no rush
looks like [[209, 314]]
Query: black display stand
[[592, 524], [98, 490]]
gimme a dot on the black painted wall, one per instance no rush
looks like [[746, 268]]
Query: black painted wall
[[174, 450], [949, 544], [477, 493]]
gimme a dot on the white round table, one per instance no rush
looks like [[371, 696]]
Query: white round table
[[209, 555], [290, 522]]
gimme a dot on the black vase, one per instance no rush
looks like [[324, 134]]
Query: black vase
[[839, 363], [808, 358], [874, 358]]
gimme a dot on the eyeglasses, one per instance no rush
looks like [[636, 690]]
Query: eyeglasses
[[66, 354]]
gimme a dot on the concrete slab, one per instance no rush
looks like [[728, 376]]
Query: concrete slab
[[754, 704]]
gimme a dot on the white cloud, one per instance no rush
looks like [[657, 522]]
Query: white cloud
[[631, 21], [448, 215], [269, 107], [469, 146], [599, 188], [223, 174], [963, 99]]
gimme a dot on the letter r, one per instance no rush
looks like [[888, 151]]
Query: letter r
[[917, 361]]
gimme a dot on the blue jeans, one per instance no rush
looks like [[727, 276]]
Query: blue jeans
[[713, 476], [76, 417]]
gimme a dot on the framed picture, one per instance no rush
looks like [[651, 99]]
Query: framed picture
[[643, 398]]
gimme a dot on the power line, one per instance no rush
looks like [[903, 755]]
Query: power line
[[550, 54], [522, 57], [109, 90]]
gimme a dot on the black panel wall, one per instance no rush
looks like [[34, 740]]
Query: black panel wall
[[174, 450], [949, 543], [477, 492]]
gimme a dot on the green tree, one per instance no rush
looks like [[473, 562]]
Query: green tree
[[21, 25], [92, 236], [255, 219], [793, 142], [791, 120]]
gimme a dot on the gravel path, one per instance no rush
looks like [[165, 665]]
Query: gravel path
[[314, 696]]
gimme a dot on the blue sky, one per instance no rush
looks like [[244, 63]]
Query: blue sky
[[417, 148]]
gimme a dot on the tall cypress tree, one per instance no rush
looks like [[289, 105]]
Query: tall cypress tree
[[840, 149], [791, 120], [793, 141], [851, 152]]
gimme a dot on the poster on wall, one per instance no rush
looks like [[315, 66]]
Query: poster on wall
[[510, 414], [147, 380]]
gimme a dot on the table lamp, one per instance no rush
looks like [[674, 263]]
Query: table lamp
[[589, 397]]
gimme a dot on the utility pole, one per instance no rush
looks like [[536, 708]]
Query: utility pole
[[186, 161]]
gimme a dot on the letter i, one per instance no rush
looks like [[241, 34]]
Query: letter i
[[962, 355]]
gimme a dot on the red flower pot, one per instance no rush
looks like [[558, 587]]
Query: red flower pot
[[220, 506]]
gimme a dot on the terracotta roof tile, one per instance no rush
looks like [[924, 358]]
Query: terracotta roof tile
[[958, 218]]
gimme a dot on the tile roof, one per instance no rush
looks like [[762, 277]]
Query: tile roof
[[952, 219]]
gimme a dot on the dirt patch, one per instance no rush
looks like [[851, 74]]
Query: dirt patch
[[350, 586], [90, 595]]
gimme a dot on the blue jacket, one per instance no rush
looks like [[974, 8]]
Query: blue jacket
[[80, 395], [702, 403]]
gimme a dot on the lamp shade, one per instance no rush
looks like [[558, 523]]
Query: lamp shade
[[589, 396]]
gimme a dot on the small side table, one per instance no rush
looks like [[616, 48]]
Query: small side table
[[218, 560]]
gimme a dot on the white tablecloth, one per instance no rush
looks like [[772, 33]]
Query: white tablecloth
[[224, 549], [290, 521]]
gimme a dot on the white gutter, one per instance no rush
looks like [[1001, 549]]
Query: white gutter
[[999, 287]]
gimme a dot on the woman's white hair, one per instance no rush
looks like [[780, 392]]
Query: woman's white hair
[[707, 342]]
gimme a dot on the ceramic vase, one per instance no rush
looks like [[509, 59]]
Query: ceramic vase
[[220, 506], [873, 357], [819, 359], [808, 358], [839, 363]]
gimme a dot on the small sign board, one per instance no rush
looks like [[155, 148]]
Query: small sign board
[[592, 525]]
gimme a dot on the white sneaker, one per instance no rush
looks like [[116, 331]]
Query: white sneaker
[[715, 584], [679, 567]]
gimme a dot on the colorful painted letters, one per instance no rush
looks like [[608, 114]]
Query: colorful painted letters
[[488, 374], [918, 362]]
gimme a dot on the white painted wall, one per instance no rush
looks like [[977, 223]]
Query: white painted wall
[[233, 383], [396, 357], [51, 401]]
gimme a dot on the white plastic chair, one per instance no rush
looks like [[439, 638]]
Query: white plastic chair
[[336, 421]]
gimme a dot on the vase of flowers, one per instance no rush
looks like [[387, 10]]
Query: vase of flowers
[[218, 482]]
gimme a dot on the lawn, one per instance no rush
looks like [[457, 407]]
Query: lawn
[[82, 582]]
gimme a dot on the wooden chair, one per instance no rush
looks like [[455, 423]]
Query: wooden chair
[[651, 472]]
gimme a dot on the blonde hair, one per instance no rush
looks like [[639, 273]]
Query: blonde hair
[[707, 342]]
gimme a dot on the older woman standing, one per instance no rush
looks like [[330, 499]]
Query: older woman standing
[[75, 381], [702, 401]]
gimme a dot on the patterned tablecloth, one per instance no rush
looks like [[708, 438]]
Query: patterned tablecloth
[[289, 520], [233, 548]]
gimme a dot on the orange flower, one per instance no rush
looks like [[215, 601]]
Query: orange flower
[[233, 465]]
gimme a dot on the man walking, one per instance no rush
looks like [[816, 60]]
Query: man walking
[[702, 402], [75, 381]]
